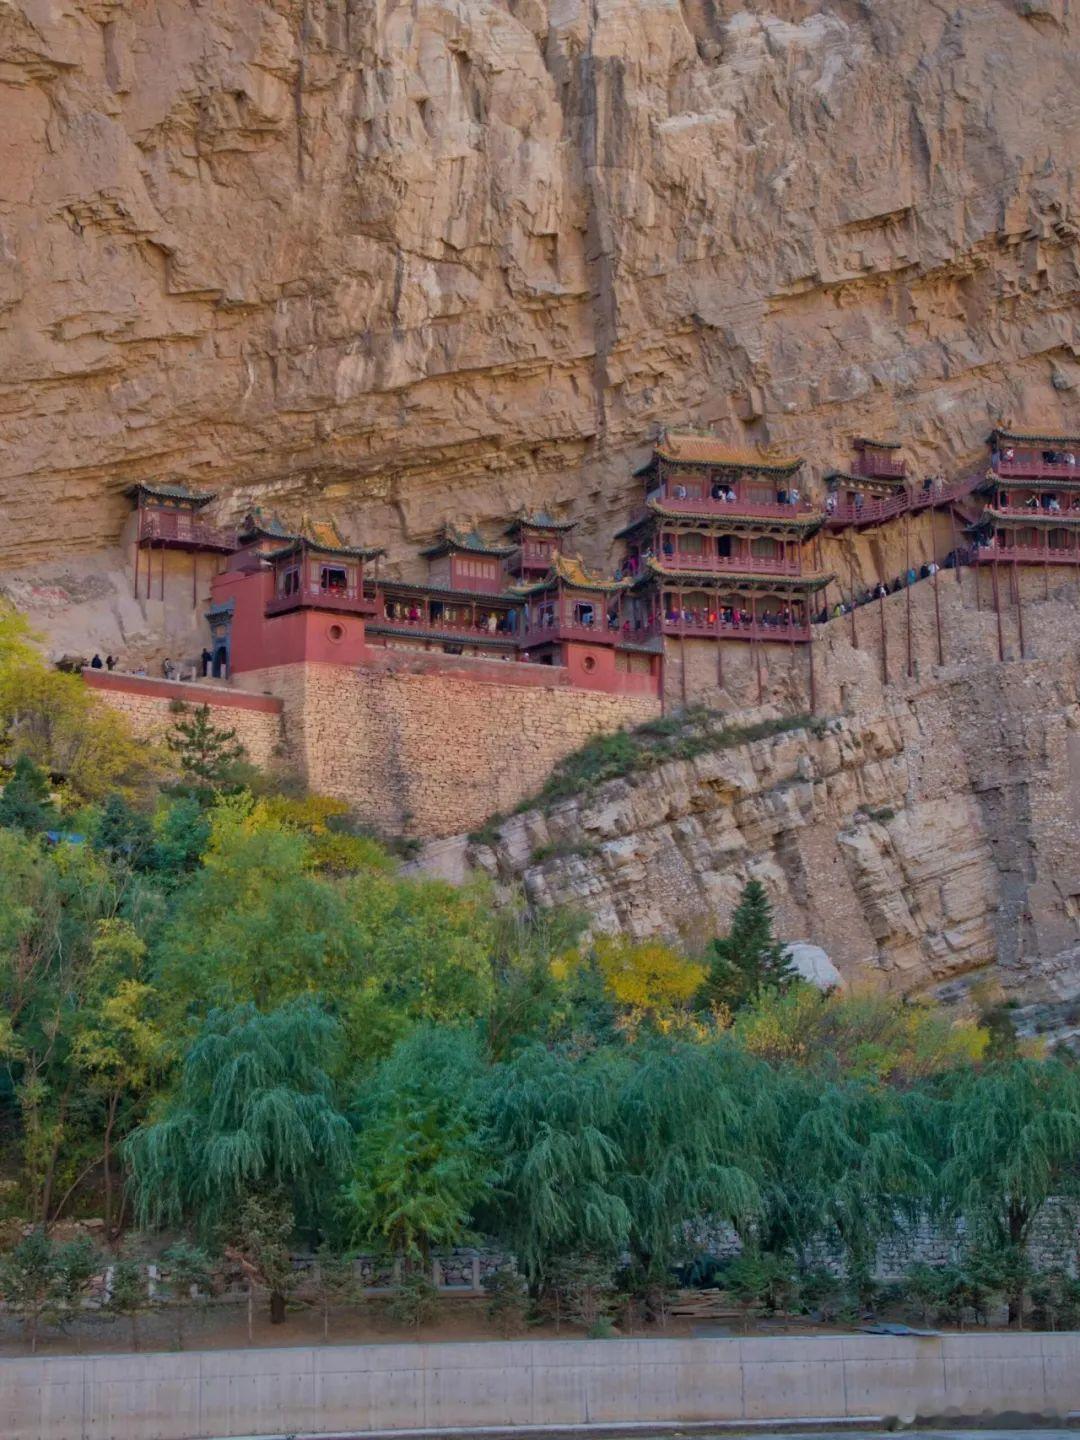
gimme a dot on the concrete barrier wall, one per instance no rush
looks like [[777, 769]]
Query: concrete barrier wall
[[351, 1389]]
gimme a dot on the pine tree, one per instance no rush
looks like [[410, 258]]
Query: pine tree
[[749, 959], [26, 803], [208, 756]]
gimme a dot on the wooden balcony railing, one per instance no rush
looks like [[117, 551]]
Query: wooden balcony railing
[[733, 564], [600, 632], [437, 626], [877, 467], [733, 630], [166, 527], [1034, 467], [1023, 555], [872, 511], [350, 601], [751, 506]]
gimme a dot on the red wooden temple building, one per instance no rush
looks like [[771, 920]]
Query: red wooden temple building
[[460, 608], [1031, 501], [719, 549], [169, 517], [290, 595]]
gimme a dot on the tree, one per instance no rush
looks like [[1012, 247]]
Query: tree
[[116, 1041], [41, 1280], [547, 1121], [128, 1293], [749, 959], [677, 1128], [335, 1281], [26, 802], [189, 1272], [259, 1233], [252, 1122], [420, 1165], [122, 834], [59, 724], [648, 978], [1013, 1136], [207, 754], [866, 1035]]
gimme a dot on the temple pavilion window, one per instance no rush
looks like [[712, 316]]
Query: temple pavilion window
[[763, 547], [584, 613], [333, 579], [724, 546], [289, 581], [692, 543]]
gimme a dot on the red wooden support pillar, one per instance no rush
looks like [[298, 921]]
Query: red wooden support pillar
[[1046, 578], [997, 610], [1019, 609], [138, 547], [162, 572], [907, 584], [956, 546], [810, 647], [884, 642], [755, 642], [937, 615], [851, 587], [719, 650], [194, 579]]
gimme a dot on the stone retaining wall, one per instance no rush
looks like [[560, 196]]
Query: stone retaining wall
[[434, 751], [148, 705], [360, 1389]]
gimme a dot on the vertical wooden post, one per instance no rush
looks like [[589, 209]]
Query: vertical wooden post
[[194, 579], [138, 547], [1019, 609], [955, 542], [884, 642], [907, 584], [810, 646], [997, 609], [1046, 578], [937, 615], [163, 572], [851, 590], [755, 642]]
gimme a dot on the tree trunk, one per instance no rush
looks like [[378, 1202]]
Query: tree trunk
[[50, 1171], [106, 1161], [277, 1308]]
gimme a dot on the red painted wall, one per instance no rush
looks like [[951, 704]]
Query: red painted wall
[[257, 641]]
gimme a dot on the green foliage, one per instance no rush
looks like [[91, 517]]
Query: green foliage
[[253, 1110], [259, 1231], [749, 960], [207, 755], [335, 1281], [684, 736], [758, 1280], [128, 1294], [508, 1299], [42, 1282], [420, 1165], [26, 802], [581, 1288], [415, 1300]]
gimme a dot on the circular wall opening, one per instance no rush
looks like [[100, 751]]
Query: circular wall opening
[[589, 663], [336, 633]]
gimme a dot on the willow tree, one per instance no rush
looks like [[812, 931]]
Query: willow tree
[[548, 1122], [253, 1114], [679, 1132], [1012, 1152]]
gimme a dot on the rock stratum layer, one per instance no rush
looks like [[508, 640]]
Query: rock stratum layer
[[418, 260], [925, 835]]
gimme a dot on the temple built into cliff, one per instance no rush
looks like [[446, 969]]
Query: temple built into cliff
[[725, 549]]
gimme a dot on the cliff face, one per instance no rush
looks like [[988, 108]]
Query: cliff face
[[416, 260], [925, 835]]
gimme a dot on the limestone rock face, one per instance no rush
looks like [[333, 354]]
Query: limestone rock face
[[920, 844], [415, 259]]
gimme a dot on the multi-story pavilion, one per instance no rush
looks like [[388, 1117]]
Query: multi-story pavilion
[[1031, 500], [718, 550]]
